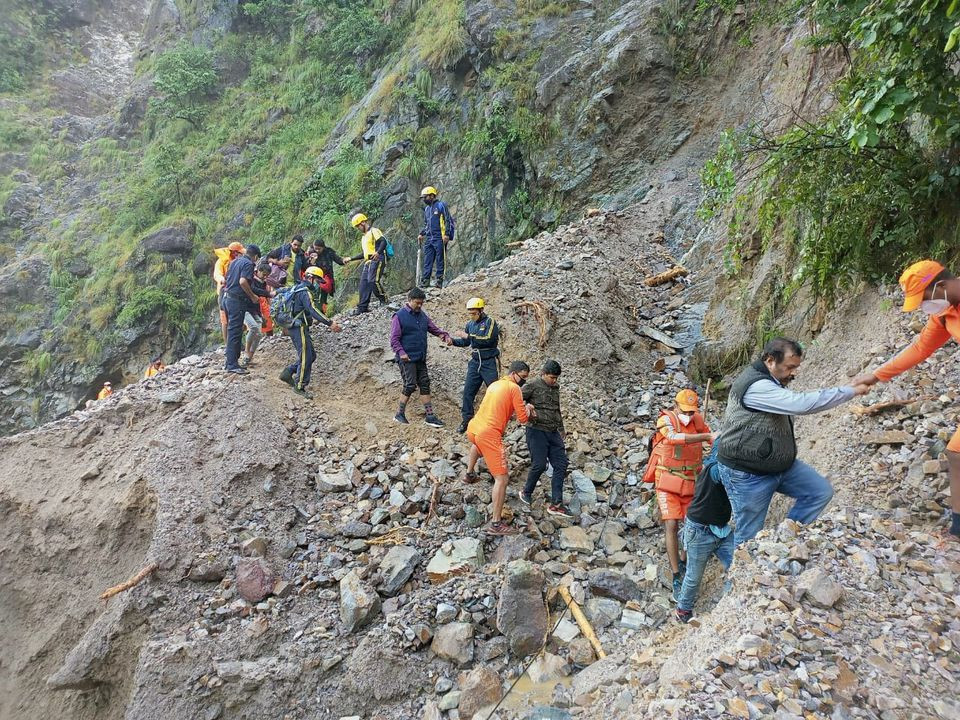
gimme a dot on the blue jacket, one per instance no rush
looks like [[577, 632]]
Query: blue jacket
[[437, 222], [484, 335], [305, 310]]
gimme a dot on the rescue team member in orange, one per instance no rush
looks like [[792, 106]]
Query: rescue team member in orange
[[224, 257], [105, 392], [928, 286], [675, 461], [155, 368], [485, 431]]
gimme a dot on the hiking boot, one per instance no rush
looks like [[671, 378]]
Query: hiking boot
[[433, 421], [501, 528], [238, 371], [287, 376], [684, 616], [525, 498], [303, 392], [677, 585], [401, 418], [559, 510]]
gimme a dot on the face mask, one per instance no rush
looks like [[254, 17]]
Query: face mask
[[521, 381], [934, 306], [684, 419]]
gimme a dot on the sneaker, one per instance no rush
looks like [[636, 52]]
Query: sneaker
[[684, 616], [526, 499], [287, 376], [303, 392], [401, 418], [677, 585], [433, 421], [238, 371], [559, 510], [501, 528], [462, 428]]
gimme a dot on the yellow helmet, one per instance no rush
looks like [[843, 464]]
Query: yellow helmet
[[475, 304], [313, 271], [357, 219], [428, 190]]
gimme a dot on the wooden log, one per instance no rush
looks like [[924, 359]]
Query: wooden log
[[132, 582], [585, 627], [666, 276]]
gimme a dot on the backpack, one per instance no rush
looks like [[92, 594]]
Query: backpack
[[389, 249], [281, 307]]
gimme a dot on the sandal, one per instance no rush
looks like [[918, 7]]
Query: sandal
[[501, 528]]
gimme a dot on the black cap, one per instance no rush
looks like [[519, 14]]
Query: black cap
[[254, 250]]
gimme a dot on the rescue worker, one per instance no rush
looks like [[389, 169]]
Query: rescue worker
[[545, 438], [373, 252], [154, 368], [238, 300], [325, 257], [437, 232], [224, 257], [675, 461], [305, 313], [106, 391], [502, 401], [481, 335], [408, 339], [757, 450], [291, 258], [927, 285]]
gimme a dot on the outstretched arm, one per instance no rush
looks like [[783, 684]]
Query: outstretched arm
[[767, 396]]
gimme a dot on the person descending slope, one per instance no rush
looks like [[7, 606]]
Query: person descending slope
[[224, 257], [154, 368], [373, 252], [304, 312], [675, 460], [238, 300], [481, 335], [927, 285], [438, 229]]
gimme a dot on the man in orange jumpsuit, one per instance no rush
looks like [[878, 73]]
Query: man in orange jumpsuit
[[928, 286], [502, 401]]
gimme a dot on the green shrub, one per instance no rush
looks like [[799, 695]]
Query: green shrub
[[441, 33], [149, 303], [186, 78]]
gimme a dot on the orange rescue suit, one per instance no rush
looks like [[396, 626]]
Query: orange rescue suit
[[674, 463]]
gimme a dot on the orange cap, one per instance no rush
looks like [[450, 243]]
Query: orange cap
[[915, 280], [236, 247], [687, 400]]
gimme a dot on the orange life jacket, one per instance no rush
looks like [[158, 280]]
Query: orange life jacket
[[265, 312], [152, 371], [676, 465], [104, 394]]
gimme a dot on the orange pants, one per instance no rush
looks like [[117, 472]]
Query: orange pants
[[490, 445], [954, 443], [672, 506]]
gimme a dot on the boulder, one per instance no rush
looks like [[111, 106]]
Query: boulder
[[458, 557], [822, 589], [176, 240], [397, 567], [359, 603], [255, 580], [333, 482], [602, 611], [597, 473], [580, 652], [514, 547], [521, 612], [608, 671], [575, 538], [454, 642], [583, 488], [480, 689], [612, 584]]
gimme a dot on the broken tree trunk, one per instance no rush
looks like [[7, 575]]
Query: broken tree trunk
[[666, 276], [585, 627]]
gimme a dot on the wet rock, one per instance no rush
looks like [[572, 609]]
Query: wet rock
[[608, 671], [397, 568], [521, 612], [480, 689], [575, 538], [613, 584], [548, 668], [255, 580], [359, 603], [176, 240], [454, 642], [458, 557]]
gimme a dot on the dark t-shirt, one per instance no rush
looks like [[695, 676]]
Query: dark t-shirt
[[242, 267], [710, 504]]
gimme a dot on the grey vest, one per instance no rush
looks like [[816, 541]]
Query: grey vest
[[755, 442]]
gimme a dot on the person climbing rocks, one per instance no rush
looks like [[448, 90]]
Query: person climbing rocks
[[502, 401], [927, 285], [263, 282], [706, 532], [106, 391], [408, 339], [545, 438], [224, 257], [238, 300], [437, 232], [373, 252], [481, 335], [290, 258], [757, 449], [305, 313], [675, 460], [255, 320], [155, 367], [324, 257]]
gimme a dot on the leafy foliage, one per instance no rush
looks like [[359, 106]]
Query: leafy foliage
[[147, 303], [186, 79]]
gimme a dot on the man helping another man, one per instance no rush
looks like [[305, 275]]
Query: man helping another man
[[481, 335]]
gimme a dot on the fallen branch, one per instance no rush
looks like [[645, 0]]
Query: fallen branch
[[395, 536], [585, 627], [541, 314], [666, 276], [132, 582], [866, 410]]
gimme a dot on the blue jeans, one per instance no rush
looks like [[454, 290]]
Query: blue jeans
[[700, 544], [545, 446], [750, 496], [479, 372]]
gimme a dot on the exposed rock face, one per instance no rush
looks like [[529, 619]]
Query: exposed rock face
[[521, 613], [174, 241]]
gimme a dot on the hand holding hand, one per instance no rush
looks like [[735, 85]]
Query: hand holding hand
[[448, 340], [861, 389], [461, 335], [864, 379]]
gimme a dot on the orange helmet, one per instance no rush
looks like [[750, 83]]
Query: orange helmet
[[236, 247], [687, 400]]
